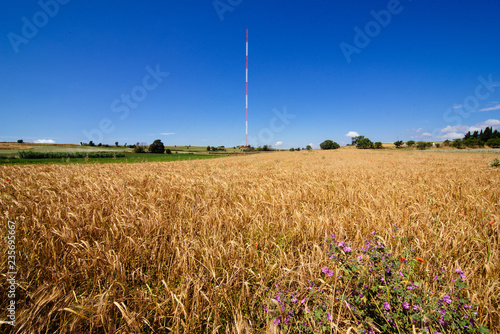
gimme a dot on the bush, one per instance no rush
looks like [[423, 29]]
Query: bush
[[364, 143], [19, 141], [398, 143], [292, 149], [495, 163], [308, 147], [378, 145], [457, 143], [422, 145], [65, 155], [329, 145], [168, 151], [410, 143], [493, 142], [139, 149], [157, 147]]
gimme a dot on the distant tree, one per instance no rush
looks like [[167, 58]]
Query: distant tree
[[168, 151], [356, 139], [410, 143], [116, 143], [308, 147], [292, 149], [378, 145], [265, 148], [208, 148], [329, 145], [19, 141], [100, 144], [457, 143], [125, 145], [157, 147], [91, 143], [297, 149], [446, 143], [139, 149], [364, 143], [398, 143], [422, 145]]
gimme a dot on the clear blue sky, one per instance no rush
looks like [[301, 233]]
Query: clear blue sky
[[73, 71]]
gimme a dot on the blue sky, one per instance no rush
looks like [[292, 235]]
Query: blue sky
[[131, 71]]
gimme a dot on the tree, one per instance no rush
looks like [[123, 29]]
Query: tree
[[378, 145], [398, 143], [91, 143], [292, 149], [168, 151], [308, 147], [20, 141], [422, 145], [208, 148], [329, 145], [116, 143], [157, 147], [356, 139], [410, 143], [139, 149], [364, 143]]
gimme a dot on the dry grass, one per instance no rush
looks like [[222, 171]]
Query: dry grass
[[191, 246]]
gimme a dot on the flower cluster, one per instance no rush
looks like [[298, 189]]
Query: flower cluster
[[380, 291]]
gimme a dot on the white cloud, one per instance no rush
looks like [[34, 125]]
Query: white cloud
[[458, 131], [451, 136], [278, 143], [419, 130], [312, 145], [497, 107], [352, 134], [167, 133], [44, 141], [455, 128], [494, 123], [426, 134]]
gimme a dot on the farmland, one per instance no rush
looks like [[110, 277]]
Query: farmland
[[200, 246]]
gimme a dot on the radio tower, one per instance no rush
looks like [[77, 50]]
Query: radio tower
[[246, 100]]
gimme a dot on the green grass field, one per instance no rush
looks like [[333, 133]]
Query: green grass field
[[9, 154]]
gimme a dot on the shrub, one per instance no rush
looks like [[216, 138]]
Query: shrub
[[157, 147], [292, 149], [139, 149], [378, 145], [495, 163], [364, 143], [19, 141], [168, 151], [329, 145], [422, 145], [308, 147], [65, 155], [410, 143], [457, 143], [493, 142], [398, 143]]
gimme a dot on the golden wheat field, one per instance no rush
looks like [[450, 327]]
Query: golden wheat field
[[193, 246]]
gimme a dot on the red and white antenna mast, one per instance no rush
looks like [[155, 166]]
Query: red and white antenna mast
[[246, 100]]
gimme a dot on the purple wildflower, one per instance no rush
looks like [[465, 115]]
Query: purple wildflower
[[329, 316], [347, 249], [294, 300], [387, 307], [460, 272], [405, 305]]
